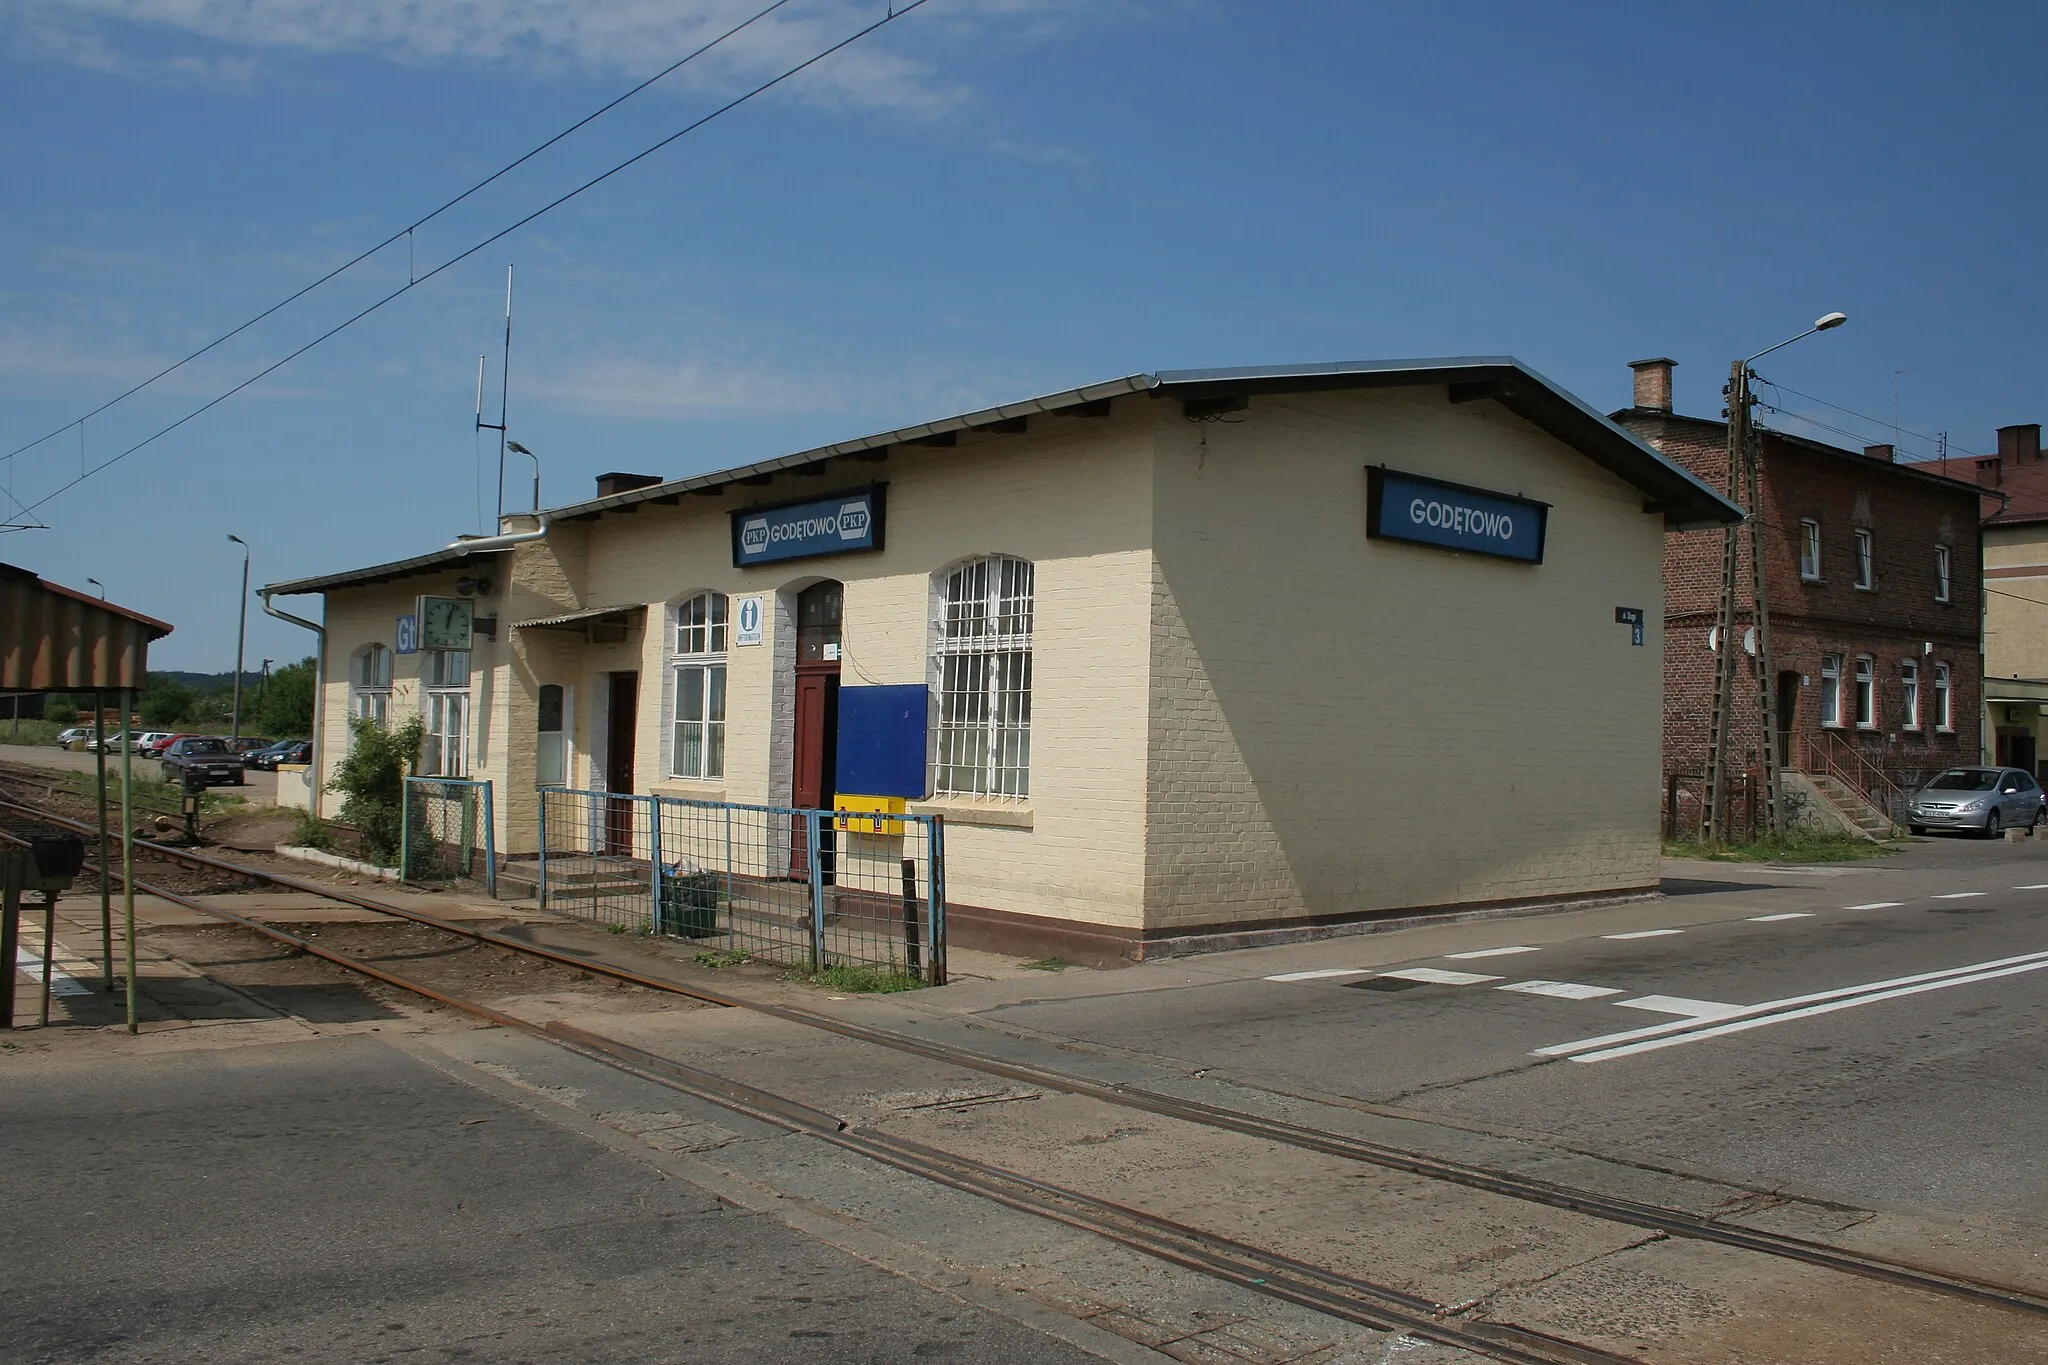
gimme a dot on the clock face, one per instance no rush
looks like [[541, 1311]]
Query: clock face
[[445, 623]]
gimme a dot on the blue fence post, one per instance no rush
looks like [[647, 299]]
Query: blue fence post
[[812, 829], [935, 916], [654, 861], [490, 844], [540, 889], [729, 930]]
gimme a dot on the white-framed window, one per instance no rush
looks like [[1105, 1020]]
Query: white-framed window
[[1830, 689], [983, 667], [1866, 572], [551, 737], [1943, 717], [1941, 573], [370, 684], [1866, 692], [697, 681], [1809, 550], [1909, 682], [445, 750]]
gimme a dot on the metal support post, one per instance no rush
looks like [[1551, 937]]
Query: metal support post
[[490, 844], [540, 890], [817, 870], [935, 914], [913, 950], [404, 828], [12, 866], [128, 849], [49, 954], [99, 734], [654, 861]]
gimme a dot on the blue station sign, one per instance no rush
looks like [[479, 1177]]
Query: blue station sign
[[843, 523], [1451, 516]]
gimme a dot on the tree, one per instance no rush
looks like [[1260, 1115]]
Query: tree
[[287, 710], [370, 779], [164, 701]]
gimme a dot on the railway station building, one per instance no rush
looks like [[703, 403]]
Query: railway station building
[[1198, 658]]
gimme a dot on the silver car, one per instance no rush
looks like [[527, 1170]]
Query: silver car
[[1984, 800]]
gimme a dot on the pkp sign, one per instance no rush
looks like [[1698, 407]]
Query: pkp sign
[[840, 524]]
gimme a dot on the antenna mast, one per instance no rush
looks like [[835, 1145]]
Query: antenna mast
[[504, 395]]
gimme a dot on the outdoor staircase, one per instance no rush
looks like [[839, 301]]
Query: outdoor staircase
[[1853, 806]]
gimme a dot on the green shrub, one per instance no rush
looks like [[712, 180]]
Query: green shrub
[[370, 779]]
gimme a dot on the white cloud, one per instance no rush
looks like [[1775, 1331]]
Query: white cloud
[[541, 37]]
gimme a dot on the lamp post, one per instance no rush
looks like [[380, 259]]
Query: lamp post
[[241, 636], [515, 446], [1745, 490], [101, 586]]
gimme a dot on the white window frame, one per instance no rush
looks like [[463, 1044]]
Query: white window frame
[[1865, 694], [551, 747], [1909, 683], [1809, 550], [699, 631], [1866, 560], [1941, 573], [1831, 691], [1944, 715], [984, 612], [370, 684], [444, 752]]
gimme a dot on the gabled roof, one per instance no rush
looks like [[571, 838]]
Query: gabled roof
[[2018, 497], [378, 573], [1668, 488], [1924, 471], [54, 638]]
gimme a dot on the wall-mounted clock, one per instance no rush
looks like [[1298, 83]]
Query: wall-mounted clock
[[446, 622]]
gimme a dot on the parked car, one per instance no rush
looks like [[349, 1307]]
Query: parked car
[[284, 751], [1983, 800], [153, 744], [246, 744], [115, 743], [75, 738], [207, 756]]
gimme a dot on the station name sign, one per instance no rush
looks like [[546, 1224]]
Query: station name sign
[[843, 523], [1452, 516]]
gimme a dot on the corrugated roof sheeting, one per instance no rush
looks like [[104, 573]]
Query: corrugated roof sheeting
[[55, 639]]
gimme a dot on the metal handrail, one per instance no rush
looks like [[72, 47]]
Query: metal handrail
[[1825, 754]]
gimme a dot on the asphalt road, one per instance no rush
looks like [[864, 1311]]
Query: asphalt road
[[1890, 1093], [337, 1200], [258, 789]]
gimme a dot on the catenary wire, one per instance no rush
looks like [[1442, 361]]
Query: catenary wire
[[1955, 452], [405, 231], [342, 326]]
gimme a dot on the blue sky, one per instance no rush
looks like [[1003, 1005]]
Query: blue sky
[[986, 200]]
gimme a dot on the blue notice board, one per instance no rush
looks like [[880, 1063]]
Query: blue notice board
[[840, 524], [882, 741], [1452, 516]]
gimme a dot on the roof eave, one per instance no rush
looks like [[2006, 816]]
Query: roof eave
[[375, 573]]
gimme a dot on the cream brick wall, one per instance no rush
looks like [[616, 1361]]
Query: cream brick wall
[[2016, 613], [1341, 724]]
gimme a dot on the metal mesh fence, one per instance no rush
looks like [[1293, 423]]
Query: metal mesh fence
[[804, 887], [448, 832]]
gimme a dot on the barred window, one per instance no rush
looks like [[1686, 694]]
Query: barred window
[[984, 679], [697, 681]]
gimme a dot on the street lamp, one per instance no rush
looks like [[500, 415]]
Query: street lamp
[[515, 446], [101, 586], [1745, 492], [241, 635]]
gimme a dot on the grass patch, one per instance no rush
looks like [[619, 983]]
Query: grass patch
[[158, 796], [33, 731], [1045, 964], [312, 832], [860, 980], [715, 958], [1797, 848]]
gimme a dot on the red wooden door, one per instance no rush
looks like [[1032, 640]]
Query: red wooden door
[[817, 724], [621, 727]]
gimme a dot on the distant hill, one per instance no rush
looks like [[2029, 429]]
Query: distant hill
[[206, 682]]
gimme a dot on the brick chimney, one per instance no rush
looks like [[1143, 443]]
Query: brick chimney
[[608, 484], [1884, 452], [1653, 383], [2020, 445]]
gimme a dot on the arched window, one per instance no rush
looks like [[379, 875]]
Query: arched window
[[697, 687], [983, 667], [370, 684]]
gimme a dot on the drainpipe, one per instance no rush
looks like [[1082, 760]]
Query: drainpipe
[[319, 693], [474, 544]]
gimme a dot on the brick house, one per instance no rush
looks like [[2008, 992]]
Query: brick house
[[1873, 574]]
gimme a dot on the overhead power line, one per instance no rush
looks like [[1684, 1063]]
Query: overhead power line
[[896, 12], [1954, 451]]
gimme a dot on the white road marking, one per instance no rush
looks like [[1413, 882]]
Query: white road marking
[[1773, 919], [61, 982], [1790, 1002], [1645, 933], [1488, 952], [1876, 905], [1830, 1007], [2037, 886], [1958, 895], [1562, 990], [1678, 1004], [1321, 974], [1437, 976]]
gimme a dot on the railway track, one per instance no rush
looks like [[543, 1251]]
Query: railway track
[[1267, 1271]]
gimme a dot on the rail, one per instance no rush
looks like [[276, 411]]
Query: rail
[[1828, 754]]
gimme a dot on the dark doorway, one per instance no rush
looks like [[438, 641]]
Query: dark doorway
[[2016, 749], [818, 615], [622, 724], [1788, 715]]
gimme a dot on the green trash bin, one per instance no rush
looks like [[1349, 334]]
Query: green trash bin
[[689, 904]]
